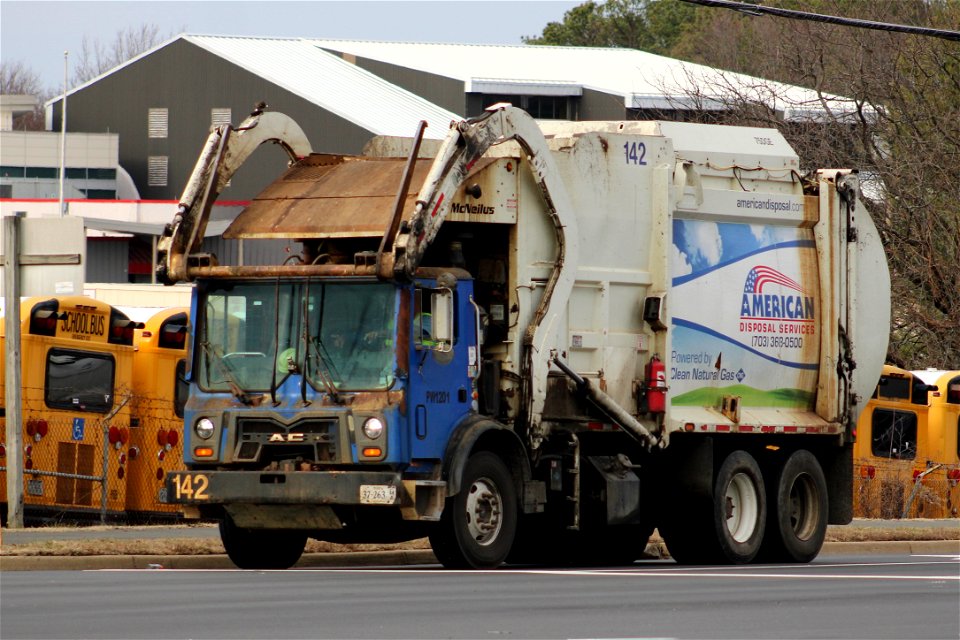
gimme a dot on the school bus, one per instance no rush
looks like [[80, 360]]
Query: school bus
[[76, 368], [906, 458], [156, 427]]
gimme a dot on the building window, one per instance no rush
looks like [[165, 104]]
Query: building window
[[42, 172], [219, 116], [12, 172], [6, 190], [157, 120], [540, 107], [100, 194], [894, 434], [101, 174], [157, 171]]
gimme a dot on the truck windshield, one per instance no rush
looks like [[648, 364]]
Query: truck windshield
[[252, 334]]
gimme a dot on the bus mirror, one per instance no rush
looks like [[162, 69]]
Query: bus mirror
[[441, 304]]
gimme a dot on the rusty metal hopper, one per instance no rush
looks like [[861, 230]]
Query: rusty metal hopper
[[329, 196]]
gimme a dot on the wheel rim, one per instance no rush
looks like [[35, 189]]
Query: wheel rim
[[484, 510], [742, 507], [803, 509]]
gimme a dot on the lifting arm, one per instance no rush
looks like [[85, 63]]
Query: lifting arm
[[466, 143], [225, 150]]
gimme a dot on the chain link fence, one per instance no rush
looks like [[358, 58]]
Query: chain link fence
[[111, 466]]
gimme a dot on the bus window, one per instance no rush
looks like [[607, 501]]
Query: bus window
[[953, 391], [79, 380], [894, 387], [894, 434], [180, 388]]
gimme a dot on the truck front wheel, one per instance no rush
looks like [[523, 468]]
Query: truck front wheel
[[478, 525], [261, 548], [798, 516]]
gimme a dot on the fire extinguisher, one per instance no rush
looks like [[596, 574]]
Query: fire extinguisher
[[655, 373]]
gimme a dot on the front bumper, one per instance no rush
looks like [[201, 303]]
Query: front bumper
[[380, 488]]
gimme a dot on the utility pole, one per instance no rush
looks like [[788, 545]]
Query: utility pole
[[12, 390], [63, 132]]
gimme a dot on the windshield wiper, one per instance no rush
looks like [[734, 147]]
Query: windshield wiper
[[324, 367], [224, 369]]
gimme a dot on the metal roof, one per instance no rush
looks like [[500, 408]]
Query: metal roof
[[330, 82], [322, 78], [643, 80]]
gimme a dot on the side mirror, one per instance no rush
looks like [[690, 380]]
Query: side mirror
[[441, 304]]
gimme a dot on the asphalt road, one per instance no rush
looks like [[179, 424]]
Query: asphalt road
[[838, 597]]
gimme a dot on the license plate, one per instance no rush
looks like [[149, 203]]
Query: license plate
[[377, 494], [35, 487]]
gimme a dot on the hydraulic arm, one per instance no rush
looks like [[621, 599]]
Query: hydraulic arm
[[225, 150]]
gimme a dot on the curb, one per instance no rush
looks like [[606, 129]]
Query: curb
[[405, 557]]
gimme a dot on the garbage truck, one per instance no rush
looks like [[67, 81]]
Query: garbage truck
[[572, 334]]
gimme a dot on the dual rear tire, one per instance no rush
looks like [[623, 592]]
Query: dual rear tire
[[777, 517]]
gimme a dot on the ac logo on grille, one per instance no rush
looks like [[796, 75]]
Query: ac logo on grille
[[287, 437]]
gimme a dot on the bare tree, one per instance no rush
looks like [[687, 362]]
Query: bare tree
[[900, 124], [96, 56], [16, 78]]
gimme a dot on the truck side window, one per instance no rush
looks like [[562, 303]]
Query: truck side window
[[894, 434], [424, 321]]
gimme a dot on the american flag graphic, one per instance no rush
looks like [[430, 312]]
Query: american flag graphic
[[761, 276]]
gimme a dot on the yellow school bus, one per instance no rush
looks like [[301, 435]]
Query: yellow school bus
[[907, 462], [76, 368], [159, 393]]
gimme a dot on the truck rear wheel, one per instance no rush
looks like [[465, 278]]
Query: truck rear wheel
[[797, 523], [261, 548], [729, 529], [478, 525]]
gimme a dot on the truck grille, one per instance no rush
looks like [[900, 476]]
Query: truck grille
[[265, 440]]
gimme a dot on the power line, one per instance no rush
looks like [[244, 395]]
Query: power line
[[757, 10]]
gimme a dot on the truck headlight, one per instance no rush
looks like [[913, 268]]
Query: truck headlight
[[204, 428], [372, 428]]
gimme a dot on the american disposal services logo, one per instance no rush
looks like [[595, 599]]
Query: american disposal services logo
[[770, 295]]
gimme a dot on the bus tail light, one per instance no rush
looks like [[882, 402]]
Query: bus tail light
[[31, 428], [121, 328], [159, 473], [953, 475], [161, 437], [42, 428], [43, 318], [114, 436], [133, 452], [172, 438], [124, 435], [868, 472], [120, 472], [3, 450], [161, 455]]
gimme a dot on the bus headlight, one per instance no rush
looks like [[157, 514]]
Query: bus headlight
[[204, 428], [372, 428]]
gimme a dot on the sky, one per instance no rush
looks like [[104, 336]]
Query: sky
[[37, 32]]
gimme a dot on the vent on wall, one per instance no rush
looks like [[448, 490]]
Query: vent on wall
[[219, 116], [157, 123], [157, 171]]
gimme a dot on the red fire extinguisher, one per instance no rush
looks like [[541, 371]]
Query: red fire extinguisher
[[655, 373]]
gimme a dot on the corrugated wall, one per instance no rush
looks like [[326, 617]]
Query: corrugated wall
[[440, 90], [190, 82], [107, 258]]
